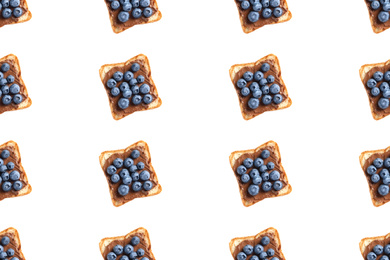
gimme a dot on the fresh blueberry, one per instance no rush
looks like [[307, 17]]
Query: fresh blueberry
[[274, 89], [3, 168], [271, 79], [128, 76], [375, 5], [265, 241], [383, 190], [10, 78], [128, 249], [111, 83], [375, 91], [115, 91], [124, 173], [245, 178], [265, 176], [136, 186], [371, 170], [136, 13], [248, 163], [17, 99], [136, 99], [386, 93], [135, 241], [241, 83], [5, 154], [253, 103], [14, 175], [144, 3], [259, 75], [144, 175], [123, 16], [140, 252], [265, 3], [267, 99], [245, 5], [371, 256], [386, 180], [386, 249], [270, 165], [386, 76], [384, 257], [123, 190], [371, 83], [118, 249], [134, 88], [253, 190], [265, 89], [147, 12], [7, 13], [263, 255], [384, 86], [128, 162], [257, 180], [124, 257], [10, 252], [118, 163], [265, 66], [127, 93], [378, 76], [1, 74], [383, 103], [127, 180], [140, 165], [5, 89], [253, 16], [133, 255], [111, 255], [3, 82], [257, 93], [147, 99], [245, 91], [1, 162], [254, 1], [263, 82], [148, 185], [270, 252], [258, 249], [267, 13], [5, 66], [386, 7], [118, 76], [141, 79], [278, 12], [124, 86], [383, 16], [135, 154], [241, 255], [254, 173], [123, 103], [254, 257], [248, 249], [248, 76], [14, 89], [378, 249], [127, 8], [375, 178], [111, 170], [278, 185], [384, 173], [263, 168], [274, 175], [135, 3], [266, 186], [257, 7], [115, 178], [265, 154], [7, 186], [115, 5], [254, 86], [133, 168], [135, 176], [5, 176], [258, 162], [241, 170], [17, 12], [378, 163], [135, 67], [274, 3]]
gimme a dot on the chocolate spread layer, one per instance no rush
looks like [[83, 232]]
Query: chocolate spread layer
[[23, 91], [142, 158], [374, 17], [370, 247], [123, 68], [253, 68], [123, 242], [374, 186], [273, 244], [12, 244], [244, 186], [13, 19]]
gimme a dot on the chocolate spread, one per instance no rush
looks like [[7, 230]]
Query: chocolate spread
[[374, 18], [12, 19], [244, 186], [12, 244], [383, 242]]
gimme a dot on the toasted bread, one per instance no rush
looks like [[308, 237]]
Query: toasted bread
[[249, 27], [16, 159], [107, 244], [236, 72], [106, 158], [119, 27], [236, 159], [106, 72], [237, 244], [23, 18], [15, 71], [366, 158], [14, 242], [367, 244], [376, 25]]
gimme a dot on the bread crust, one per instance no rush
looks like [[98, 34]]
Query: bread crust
[[235, 69], [284, 191], [26, 16], [142, 20], [365, 242], [272, 20], [108, 67], [235, 242], [23, 89], [364, 156], [154, 191], [15, 241], [105, 242], [376, 26]]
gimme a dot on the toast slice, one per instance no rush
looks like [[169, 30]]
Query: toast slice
[[106, 245], [107, 71], [15, 158], [118, 26], [237, 158], [23, 18], [237, 71], [14, 243], [376, 25], [366, 72], [14, 71], [248, 26], [107, 158], [367, 244], [366, 159], [237, 244]]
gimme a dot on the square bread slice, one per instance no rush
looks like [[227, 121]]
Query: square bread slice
[[249, 27], [23, 18], [15, 158], [237, 71], [376, 25], [15, 71], [366, 159], [106, 245], [107, 71], [367, 244], [237, 158], [118, 26], [107, 158], [237, 244], [366, 72], [14, 244]]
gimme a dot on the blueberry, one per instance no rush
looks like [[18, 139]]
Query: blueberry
[[115, 91], [266, 186], [147, 99], [253, 190], [265, 241], [384, 257], [127, 180], [248, 163], [263, 255], [5, 66], [148, 185], [7, 13], [124, 257], [123, 190], [127, 8], [133, 168], [378, 163], [386, 180], [118, 163], [378, 249], [5, 89], [270, 165], [253, 103], [386, 93], [136, 13], [241, 255], [127, 93], [383, 16], [265, 154], [123, 103], [371, 83], [14, 89], [375, 91], [123, 16], [278, 12], [3, 168], [241, 83], [241, 170], [111, 83], [254, 173], [1, 162], [136, 99], [258, 162], [135, 176], [274, 3], [265, 3], [254, 1], [254, 257], [245, 5], [133, 255], [257, 7], [383, 103], [371, 170], [259, 75], [245, 178], [267, 13], [386, 76], [270, 252], [144, 175], [147, 12], [375, 178], [263, 168], [245, 91], [17, 99], [384, 173], [111, 170], [371, 256], [248, 249], [111, 255], [5, 176], [278, 185], [258, 249], [267, 99], [265, 176], [265, 66], [135, 241], [384, 86], [383, 190], [128, 162], [135, 67], [136, 186], [263, 82], [271, 79], [375, 5], [5, 154], [118, 249], [115, 5], [386, 7], [10, 78], [248, 76], [10, 252], [124, 173], [128, 249], [257, 180], [140, 252], [253, 16], [14, 175], [274, 175], [118, 76], [274, 89], [135, 3], [135, 154], [3, 82], [6, 186], [115, 178], [254, 86], [17, 12], [128, 76], [144, 3], [378, 76], [386, 249], [124, 86]]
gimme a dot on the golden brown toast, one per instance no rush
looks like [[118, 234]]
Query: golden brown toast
[[367, 244], [23, 18], [376, 25], [15, 244]]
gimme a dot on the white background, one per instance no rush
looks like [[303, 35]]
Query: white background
[[194, 131]]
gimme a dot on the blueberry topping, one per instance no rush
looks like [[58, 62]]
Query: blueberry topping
[[245, 5], [10, 165], [257, 7], [124, 173], [375, 5], [127, 8], [241, 83], [10, 252], [136, 13], [147, 12], [386, 180], [133, 255], [371, 170], [144, 175], [265, 176], [383, 190], [136, 99], [267, 99], [245, 91], [123, 103], [11, 79], [371, 256], [278, 12], [383, 103], [259, 75], [123, 16], [265, 241], [384, 86], [124, 257], [115, 5], [136, 186], [7, 99], [378, 249], [133, 168], [3, 168], [123, 190], [274, 175], [383, 16], [135, 176], [267, 13], [266, 186], [278, 185], [375, 178], [263, 82], [265, 154], [258, 162], [384, 173], [111, 255], [5, 241], [111, 170], [265, 67], [378, 163], [241, 170], [270, 252], [135, 154], [14, 175], [6, 186], [135, 67], [5, 154], [248, 249], [135, 241], [263, 168], [253, 103], [5, 176], [254, 173], [245, 178], [118, 249], [242, 255], [17, 12], [274, 89], [111, 83], [14, 89], [115, 178], [371, 83], [375, 91], [386, 249], [253, 16], [258, 249], [248, 163], [253, 190], [5, 89], [5, 66], [128, 249], [270, 165], [128, 162], [148, 185], [128, 76]]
